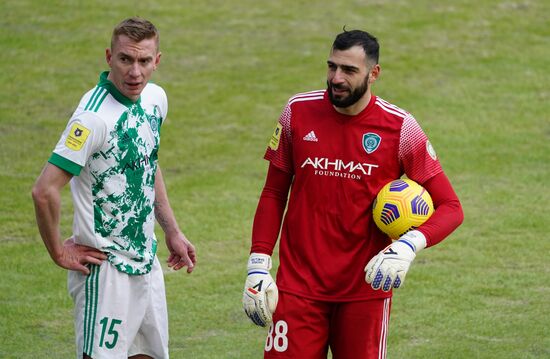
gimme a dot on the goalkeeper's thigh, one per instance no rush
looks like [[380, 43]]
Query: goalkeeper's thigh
[[304, 328], [300, 328], [359, 329]]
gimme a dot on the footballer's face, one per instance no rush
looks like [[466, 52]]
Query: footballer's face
[[349, 77], [132, 64]]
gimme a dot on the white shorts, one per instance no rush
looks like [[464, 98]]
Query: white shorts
[[119, 315]]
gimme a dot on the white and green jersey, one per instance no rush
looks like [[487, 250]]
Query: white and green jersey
[[110, 145]]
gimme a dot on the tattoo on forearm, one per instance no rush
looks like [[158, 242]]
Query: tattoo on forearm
[[161, 219]]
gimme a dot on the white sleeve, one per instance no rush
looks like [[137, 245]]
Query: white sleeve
[[164, 105], [83, 136]]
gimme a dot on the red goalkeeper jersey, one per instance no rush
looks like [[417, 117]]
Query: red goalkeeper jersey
[[339, 164]]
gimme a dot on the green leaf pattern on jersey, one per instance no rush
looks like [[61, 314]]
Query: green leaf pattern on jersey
[[124, 191]]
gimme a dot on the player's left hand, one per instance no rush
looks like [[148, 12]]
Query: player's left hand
[[260, 295], [182, 252], [388, 268]]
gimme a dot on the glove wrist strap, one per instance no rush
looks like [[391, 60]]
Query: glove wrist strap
[[415, 240], [259, 261]]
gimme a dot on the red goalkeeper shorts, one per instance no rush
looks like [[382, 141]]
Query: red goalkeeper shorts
[[304, 328]]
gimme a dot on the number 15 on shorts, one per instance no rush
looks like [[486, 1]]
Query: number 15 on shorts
[[109, 332], [276, 338]]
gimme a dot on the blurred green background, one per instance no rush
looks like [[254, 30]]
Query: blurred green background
[[474, 73]]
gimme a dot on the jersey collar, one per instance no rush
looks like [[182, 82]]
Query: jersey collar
[[347, 118], [109, 86]]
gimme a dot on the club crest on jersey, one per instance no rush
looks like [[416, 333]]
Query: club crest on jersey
[[154, 119], [371, 141]]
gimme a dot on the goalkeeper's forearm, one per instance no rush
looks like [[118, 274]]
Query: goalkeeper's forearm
[[270, 211]]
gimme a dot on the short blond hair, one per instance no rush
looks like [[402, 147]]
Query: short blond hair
[[137, 29]]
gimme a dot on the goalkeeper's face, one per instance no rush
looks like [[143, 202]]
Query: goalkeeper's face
[[344, 96], [349, 76]]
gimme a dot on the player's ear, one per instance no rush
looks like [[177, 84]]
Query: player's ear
[[374, 73], [157, 59], [108, 56]]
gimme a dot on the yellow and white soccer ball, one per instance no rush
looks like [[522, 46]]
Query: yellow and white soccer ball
[[400, 206]]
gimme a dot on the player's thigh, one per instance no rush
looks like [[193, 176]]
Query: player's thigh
[[109, 308], [299, 329], [359, 329], [152, 336]]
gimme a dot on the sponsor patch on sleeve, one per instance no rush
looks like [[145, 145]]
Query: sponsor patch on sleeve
[[276, 137], [77, 137]]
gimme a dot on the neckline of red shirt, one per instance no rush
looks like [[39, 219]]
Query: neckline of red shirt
[[350, 118]]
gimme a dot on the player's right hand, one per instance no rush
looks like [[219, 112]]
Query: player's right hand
[[260, 294], [75, 256]]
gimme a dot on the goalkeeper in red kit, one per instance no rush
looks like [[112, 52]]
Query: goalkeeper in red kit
[[333, 150]]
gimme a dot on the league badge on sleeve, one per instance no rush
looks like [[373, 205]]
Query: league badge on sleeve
[[77, 137], [371, 141], [274, 142], [431, 150]]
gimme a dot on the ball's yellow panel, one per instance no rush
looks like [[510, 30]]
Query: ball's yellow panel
[[400, 206]]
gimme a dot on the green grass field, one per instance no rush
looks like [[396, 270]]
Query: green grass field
[[474, 73]]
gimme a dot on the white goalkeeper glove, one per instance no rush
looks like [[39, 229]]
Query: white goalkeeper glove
[[388, 268], [260, 294]]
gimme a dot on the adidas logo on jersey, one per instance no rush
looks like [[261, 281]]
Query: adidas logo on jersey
[[311, 137]]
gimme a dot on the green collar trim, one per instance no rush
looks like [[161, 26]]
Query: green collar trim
[[109, 86]]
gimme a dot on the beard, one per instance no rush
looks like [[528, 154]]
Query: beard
[[354, 95]]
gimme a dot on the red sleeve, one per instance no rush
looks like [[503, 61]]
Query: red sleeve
[[448, 213], [271, 207], [416, 153], [279, 151]]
